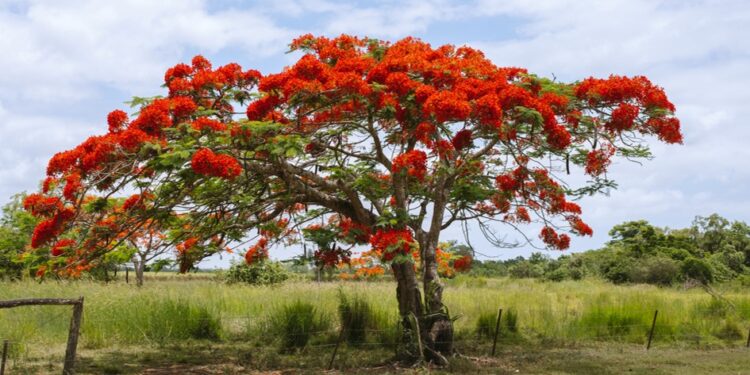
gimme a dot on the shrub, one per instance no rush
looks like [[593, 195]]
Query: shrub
[[170, 320], [655, 270], [526, 269], [260, 273], [296, 323], [729, 331], [485, 326], [559, 274], [697, 269], [356, 317], [509, 321]]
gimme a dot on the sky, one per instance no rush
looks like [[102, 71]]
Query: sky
[[65, 64]]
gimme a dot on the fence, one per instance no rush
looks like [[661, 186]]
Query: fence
[[73, 332], [331, 340]]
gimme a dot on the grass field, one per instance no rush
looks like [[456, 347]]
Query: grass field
[[181, 324]]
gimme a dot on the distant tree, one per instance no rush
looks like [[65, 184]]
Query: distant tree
[[16, 228]]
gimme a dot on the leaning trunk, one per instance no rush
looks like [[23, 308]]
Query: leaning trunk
[[437, 327], [430, 335]]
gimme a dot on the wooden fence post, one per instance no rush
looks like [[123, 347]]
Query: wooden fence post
[[651, 333], [75, 328], [127, 275], [336, 348], [497, 329], [5, 357]]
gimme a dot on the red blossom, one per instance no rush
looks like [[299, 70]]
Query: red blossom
[[579, 227], [462, 264], [258, 252], [424, 132], [133, 201], [60, 246], [622, 118], [391, 242], [447, 106], [413, 162], [522, 214], [39, 205], [72, 186], [182, 107], [462, 139], [597, 161], [553, 240], [488, 112], [666, 128], [204, 123], [177, 71], [200, 63], [207, 163], [116, 120]]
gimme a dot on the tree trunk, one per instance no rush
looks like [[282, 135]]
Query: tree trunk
[[139, 263], [437, 327], [409, 303]]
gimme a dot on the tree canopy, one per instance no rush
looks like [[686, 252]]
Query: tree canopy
[[385, 144]]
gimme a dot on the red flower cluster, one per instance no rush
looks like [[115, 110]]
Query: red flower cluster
[[391, 242], [203, 123], [332, 257], [352, 231], [414, 162], [597, 161], [666, 128], [622, 118], [207, 163], [424, 133], [447, 106], [629, 93], [51, 228], [579, 227], [60, 246], [72, 186], [553, 240], [186, 245], [621, 89], [462, 139], [132, 202], [258, 252], [39, 205], [462, 264], [117, 120]]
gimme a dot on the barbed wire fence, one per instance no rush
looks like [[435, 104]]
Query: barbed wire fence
[[467, 341]]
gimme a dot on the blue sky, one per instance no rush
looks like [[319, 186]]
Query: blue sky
[[66, 64]]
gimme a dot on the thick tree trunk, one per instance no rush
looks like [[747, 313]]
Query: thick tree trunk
[[139, 263], [409, 303], [434, 325], [437, 327]]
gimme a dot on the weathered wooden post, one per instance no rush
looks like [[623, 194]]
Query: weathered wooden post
[[497, 329], [75, 328], [336, 348], [5, 357], [651, 333]]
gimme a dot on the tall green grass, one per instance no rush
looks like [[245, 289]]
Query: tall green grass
[[177, 309]]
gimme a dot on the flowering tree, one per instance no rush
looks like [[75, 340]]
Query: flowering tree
[[390, 142]]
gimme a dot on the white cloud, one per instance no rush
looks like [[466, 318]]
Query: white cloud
[[65, 49]]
